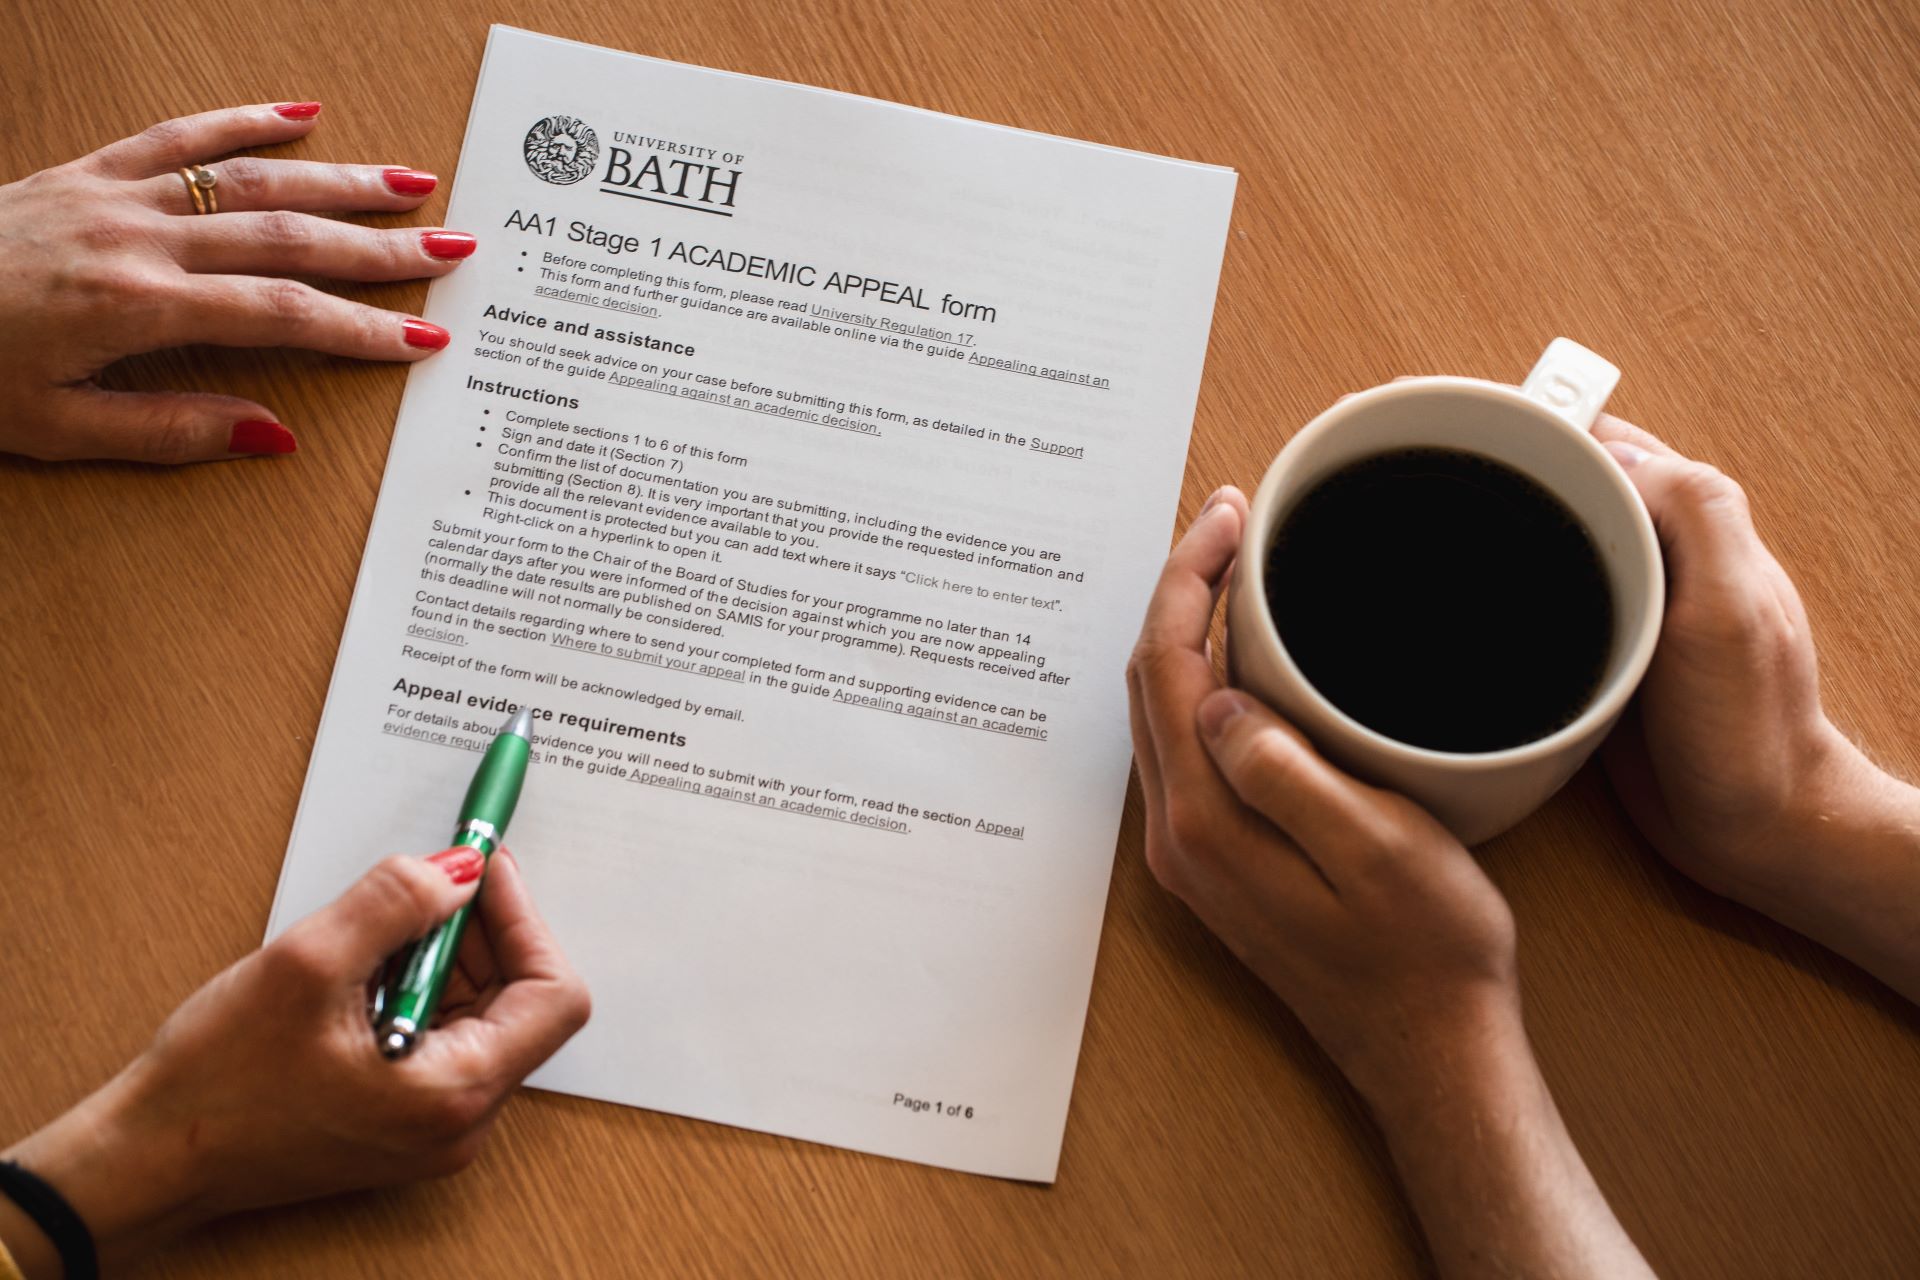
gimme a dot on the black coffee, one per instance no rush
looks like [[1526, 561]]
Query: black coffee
[[1442, 599]]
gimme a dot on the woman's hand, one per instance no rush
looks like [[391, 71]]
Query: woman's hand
[[106, 257], [266, 1085], [1728, 764], [1372, 922]]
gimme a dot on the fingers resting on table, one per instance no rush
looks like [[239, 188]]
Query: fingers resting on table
[[166, 239]]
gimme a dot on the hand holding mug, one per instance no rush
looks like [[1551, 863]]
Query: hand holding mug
[[1730, 753], [1378, 929], [1729, 765], [152, 242], [1358, 909], [1546, 485]]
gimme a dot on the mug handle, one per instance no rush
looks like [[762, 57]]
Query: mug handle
[[1572, 381]]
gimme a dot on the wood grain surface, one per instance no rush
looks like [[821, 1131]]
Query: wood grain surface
[[1723, 199]]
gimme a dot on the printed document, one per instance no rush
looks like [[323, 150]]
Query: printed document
[[805, 463]]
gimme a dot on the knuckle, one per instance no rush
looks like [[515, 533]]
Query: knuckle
[[145, 300], [1370, 861], [1189, 826], [1167, 865], [284, 229], [109, 232], [404, 251], [402, 879], [370, 328], [1141, 660], [1723, 621], [449, 1114], [166, 135], [1150, 660], [171, 440], [1270, 762], [295, 960], [1385, 847], [1272, 754], [243, 177], [118, 283], [378, 329], [1706, 485], [293, 303]]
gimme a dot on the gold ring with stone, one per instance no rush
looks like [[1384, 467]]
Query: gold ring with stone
[[200, 184]]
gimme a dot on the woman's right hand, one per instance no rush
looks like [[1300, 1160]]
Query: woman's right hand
[[1727, 762], [105, 257], [266, 1086]]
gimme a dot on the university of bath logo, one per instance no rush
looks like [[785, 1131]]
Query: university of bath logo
[[562, 150]]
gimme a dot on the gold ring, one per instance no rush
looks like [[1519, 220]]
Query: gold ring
[[200, 184]]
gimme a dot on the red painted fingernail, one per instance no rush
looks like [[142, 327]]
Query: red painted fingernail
[[410, 182], [462, 864], [421, 334], [255, 436], [298, 110], [448, 244]]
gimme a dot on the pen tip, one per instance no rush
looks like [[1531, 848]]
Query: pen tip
[[520, 724]]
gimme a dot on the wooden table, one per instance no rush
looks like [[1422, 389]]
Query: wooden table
[[1723, 201]]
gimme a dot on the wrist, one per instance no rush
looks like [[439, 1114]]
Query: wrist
[[1442, 1061], [1835, 788], [1491, 1170], [1763, 838], [1838, 796], [122, 1164], [1849, 851], [1491, 1113]]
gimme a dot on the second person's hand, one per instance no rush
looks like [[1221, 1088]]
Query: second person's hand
[[1728, 763], [1353, 904], [1376, 926]]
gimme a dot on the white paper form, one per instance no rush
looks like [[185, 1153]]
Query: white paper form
[[806, 462]]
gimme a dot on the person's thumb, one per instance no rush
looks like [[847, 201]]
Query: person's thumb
[[1701, 515], [395, 902], [167, 427]]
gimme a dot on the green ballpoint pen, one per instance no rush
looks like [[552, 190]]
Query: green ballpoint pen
[[404, 1004]]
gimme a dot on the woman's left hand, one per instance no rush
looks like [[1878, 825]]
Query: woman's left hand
[[108, 257]]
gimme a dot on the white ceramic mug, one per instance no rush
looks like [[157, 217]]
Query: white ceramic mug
[[1540, 429]]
